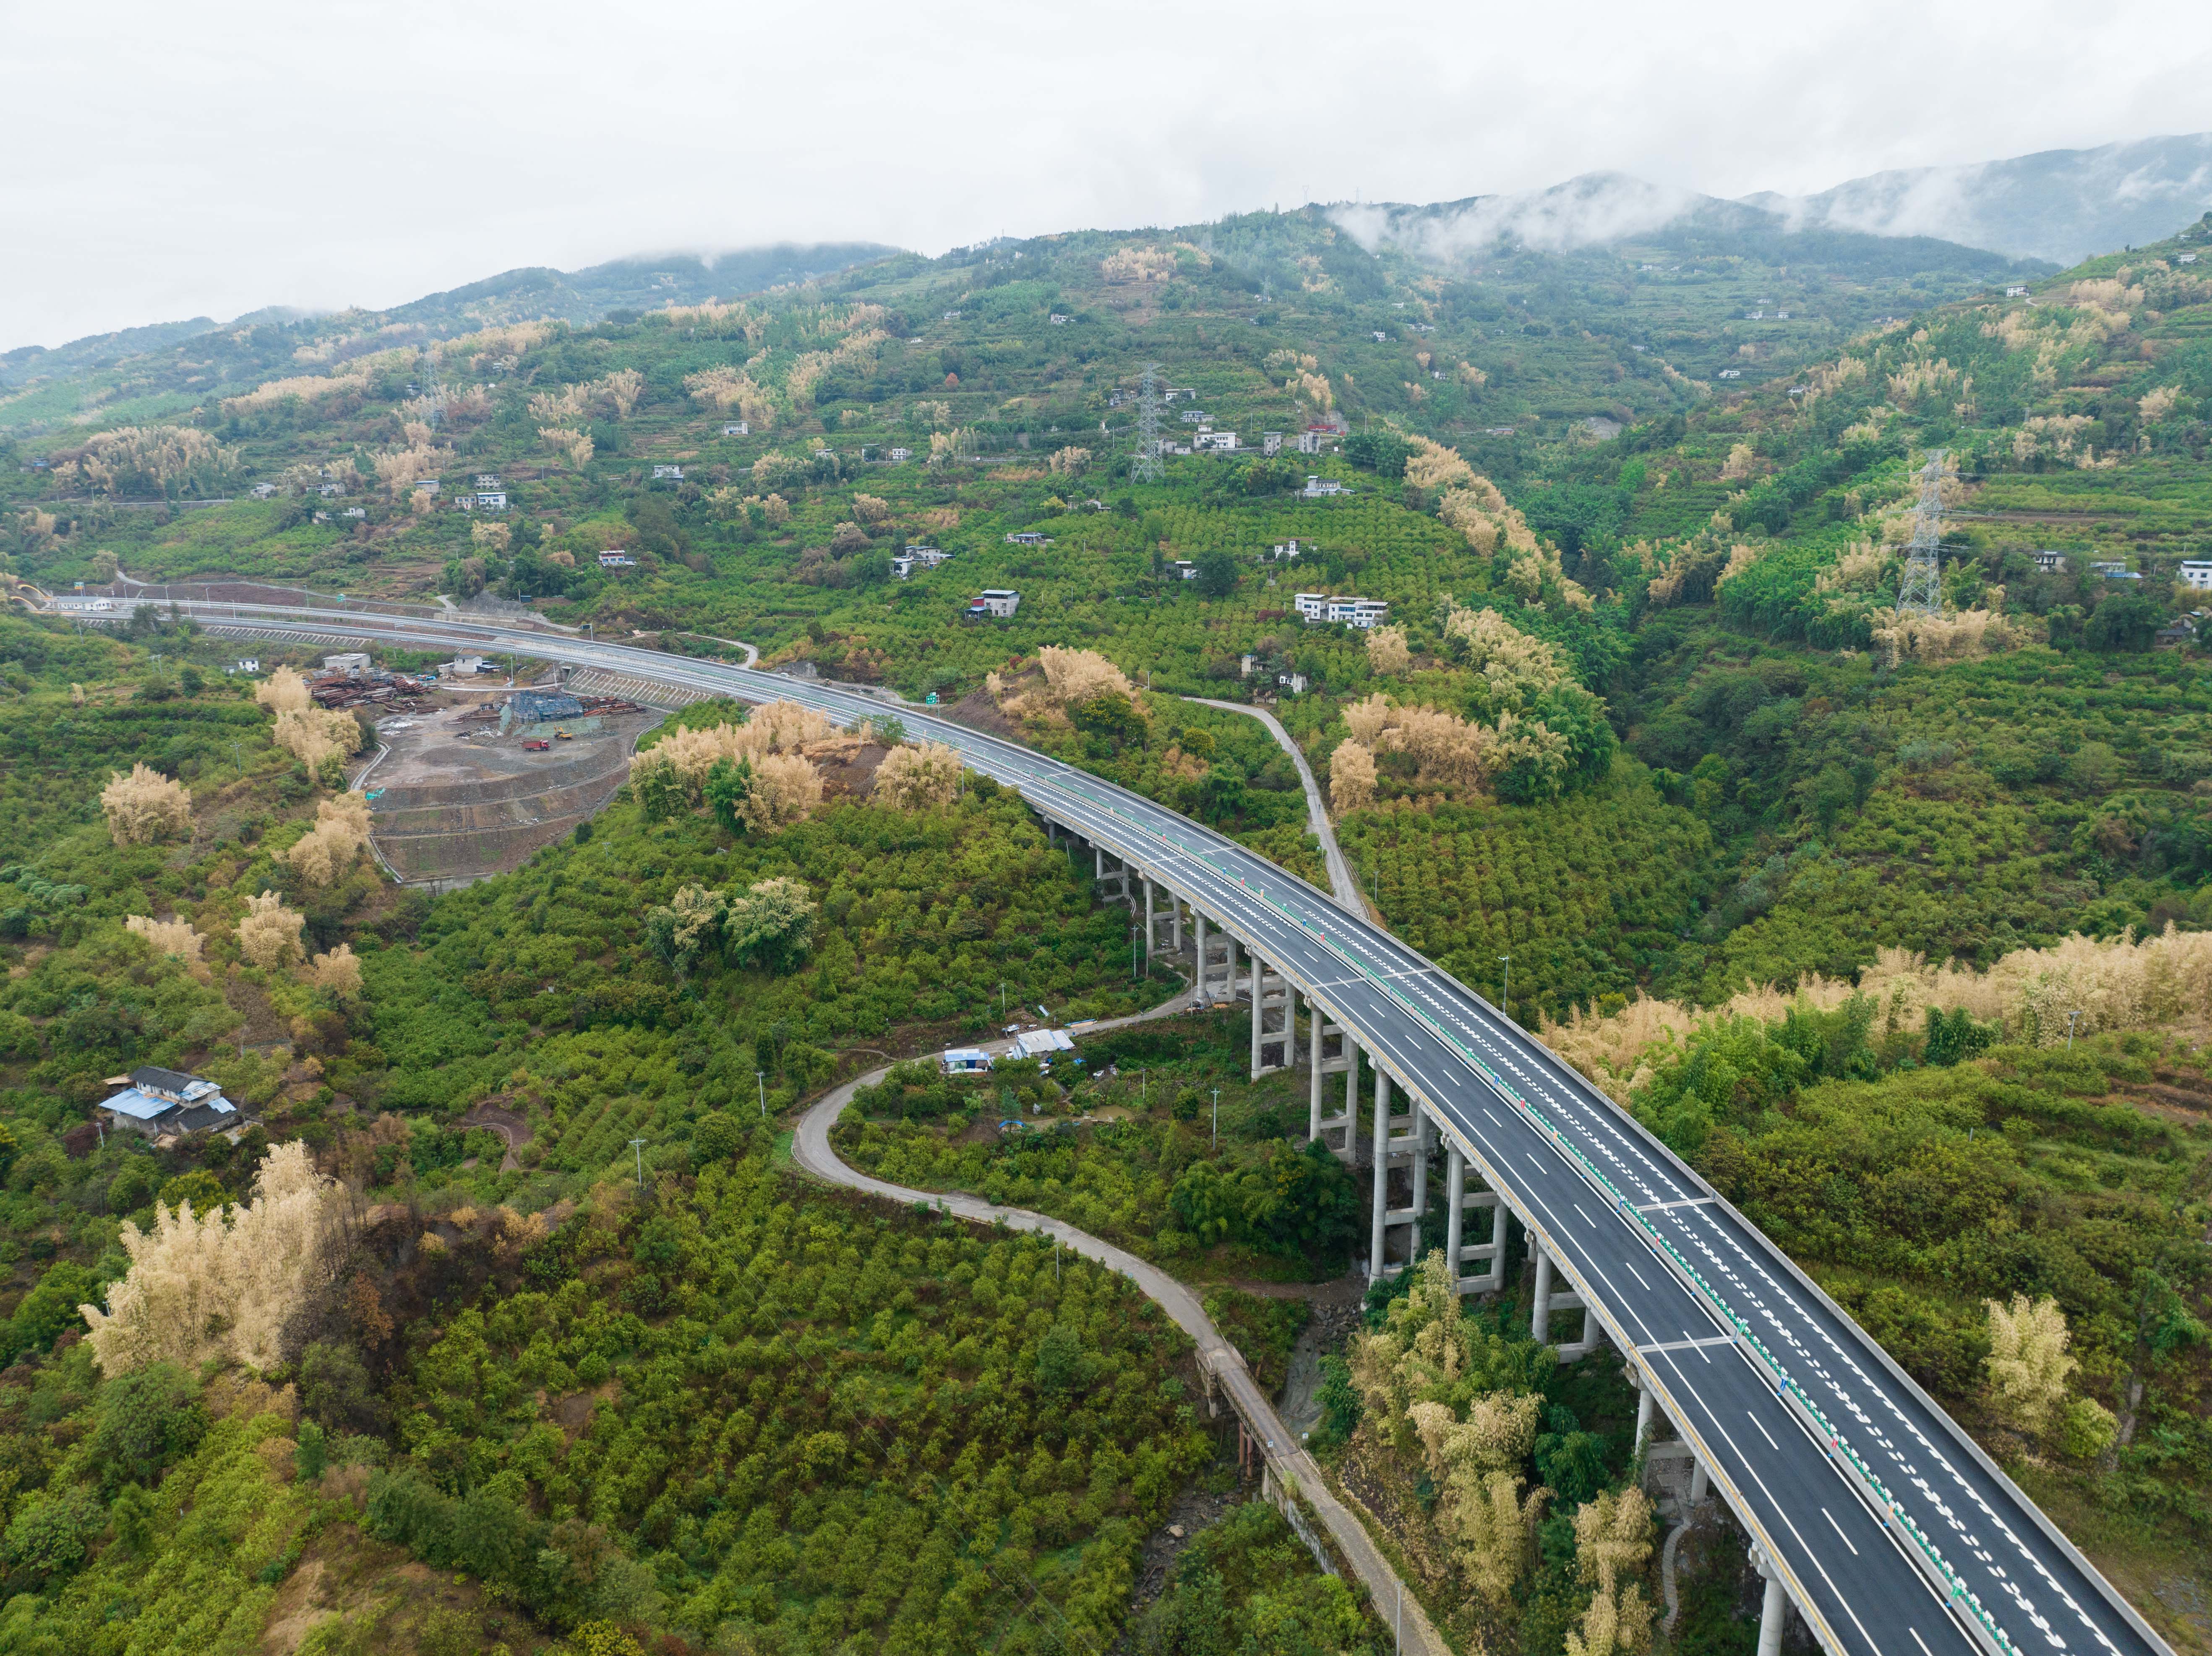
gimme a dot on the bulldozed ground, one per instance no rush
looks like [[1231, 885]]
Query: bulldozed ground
[[455, 801]]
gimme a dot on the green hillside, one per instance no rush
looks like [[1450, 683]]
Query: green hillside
[[591, 1366]]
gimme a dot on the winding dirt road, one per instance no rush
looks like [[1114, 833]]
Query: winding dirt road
[[812, 1149]]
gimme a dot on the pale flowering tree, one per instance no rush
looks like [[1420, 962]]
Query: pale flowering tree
[[332, 848], [268, 932], [337, 972], [1351, 778], [283, 691], [145, 806], [232, 1284], [175, 940], [919, 779]]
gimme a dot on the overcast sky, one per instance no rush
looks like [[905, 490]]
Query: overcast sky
[[170, 161]]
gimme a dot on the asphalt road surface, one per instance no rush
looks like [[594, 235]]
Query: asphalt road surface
[[1779, 1392]]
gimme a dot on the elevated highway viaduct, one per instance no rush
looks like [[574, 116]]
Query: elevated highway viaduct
[[1873, 1515]]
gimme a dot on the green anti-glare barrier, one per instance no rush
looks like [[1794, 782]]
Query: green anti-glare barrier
[[1922, 1549], [1839, 1448]]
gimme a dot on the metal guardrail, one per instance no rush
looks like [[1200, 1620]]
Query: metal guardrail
[[1917, 1545], [1889, 1510], [1861, 1476]]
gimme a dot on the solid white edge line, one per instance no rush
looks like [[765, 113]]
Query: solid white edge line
[[714, 675], [1838, 1529]]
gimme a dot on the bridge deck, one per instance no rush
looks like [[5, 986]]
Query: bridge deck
[[1541, 1134]]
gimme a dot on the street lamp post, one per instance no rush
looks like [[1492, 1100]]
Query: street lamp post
[[760, 1078], [638, 1144], [1217, 1120], [1506, 1006]]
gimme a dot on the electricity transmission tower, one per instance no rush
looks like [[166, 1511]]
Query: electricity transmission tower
[[1145, 466], [1921, 592], [430, 393]]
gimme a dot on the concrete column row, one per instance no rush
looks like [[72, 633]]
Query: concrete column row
[[1399, 1139]]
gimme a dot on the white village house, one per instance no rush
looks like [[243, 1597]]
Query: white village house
[[1317, 608]]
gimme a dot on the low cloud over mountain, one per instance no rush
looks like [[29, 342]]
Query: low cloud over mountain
[[2062, 206]]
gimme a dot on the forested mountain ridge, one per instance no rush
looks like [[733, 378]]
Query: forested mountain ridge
[[2059, 204], [1643, 714]]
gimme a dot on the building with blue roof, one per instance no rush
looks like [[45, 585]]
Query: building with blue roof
[[160, 1103]]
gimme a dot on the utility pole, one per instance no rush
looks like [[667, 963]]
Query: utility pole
[[638, 1144], [760, 1078], [1217, 1120], [1506, 1006], [2071, 1019]]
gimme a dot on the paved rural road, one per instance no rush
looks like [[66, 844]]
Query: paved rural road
[[1339, 872], [810, 1149], [1794, 1409]]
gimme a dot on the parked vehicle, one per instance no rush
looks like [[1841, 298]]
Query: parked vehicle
[[536, 747]]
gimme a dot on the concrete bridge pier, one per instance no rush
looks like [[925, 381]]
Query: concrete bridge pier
[[1458, 1201], [1274, 1021], [1549, 1300], [1341, 1059], [1406, 1147], [1159, 920], [1217, 964], [1112, 876], [1774, 1610]]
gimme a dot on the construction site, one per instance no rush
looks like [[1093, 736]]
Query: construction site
[[473, 773]]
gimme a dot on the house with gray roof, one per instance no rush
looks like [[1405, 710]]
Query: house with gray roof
[[158, 1103]]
